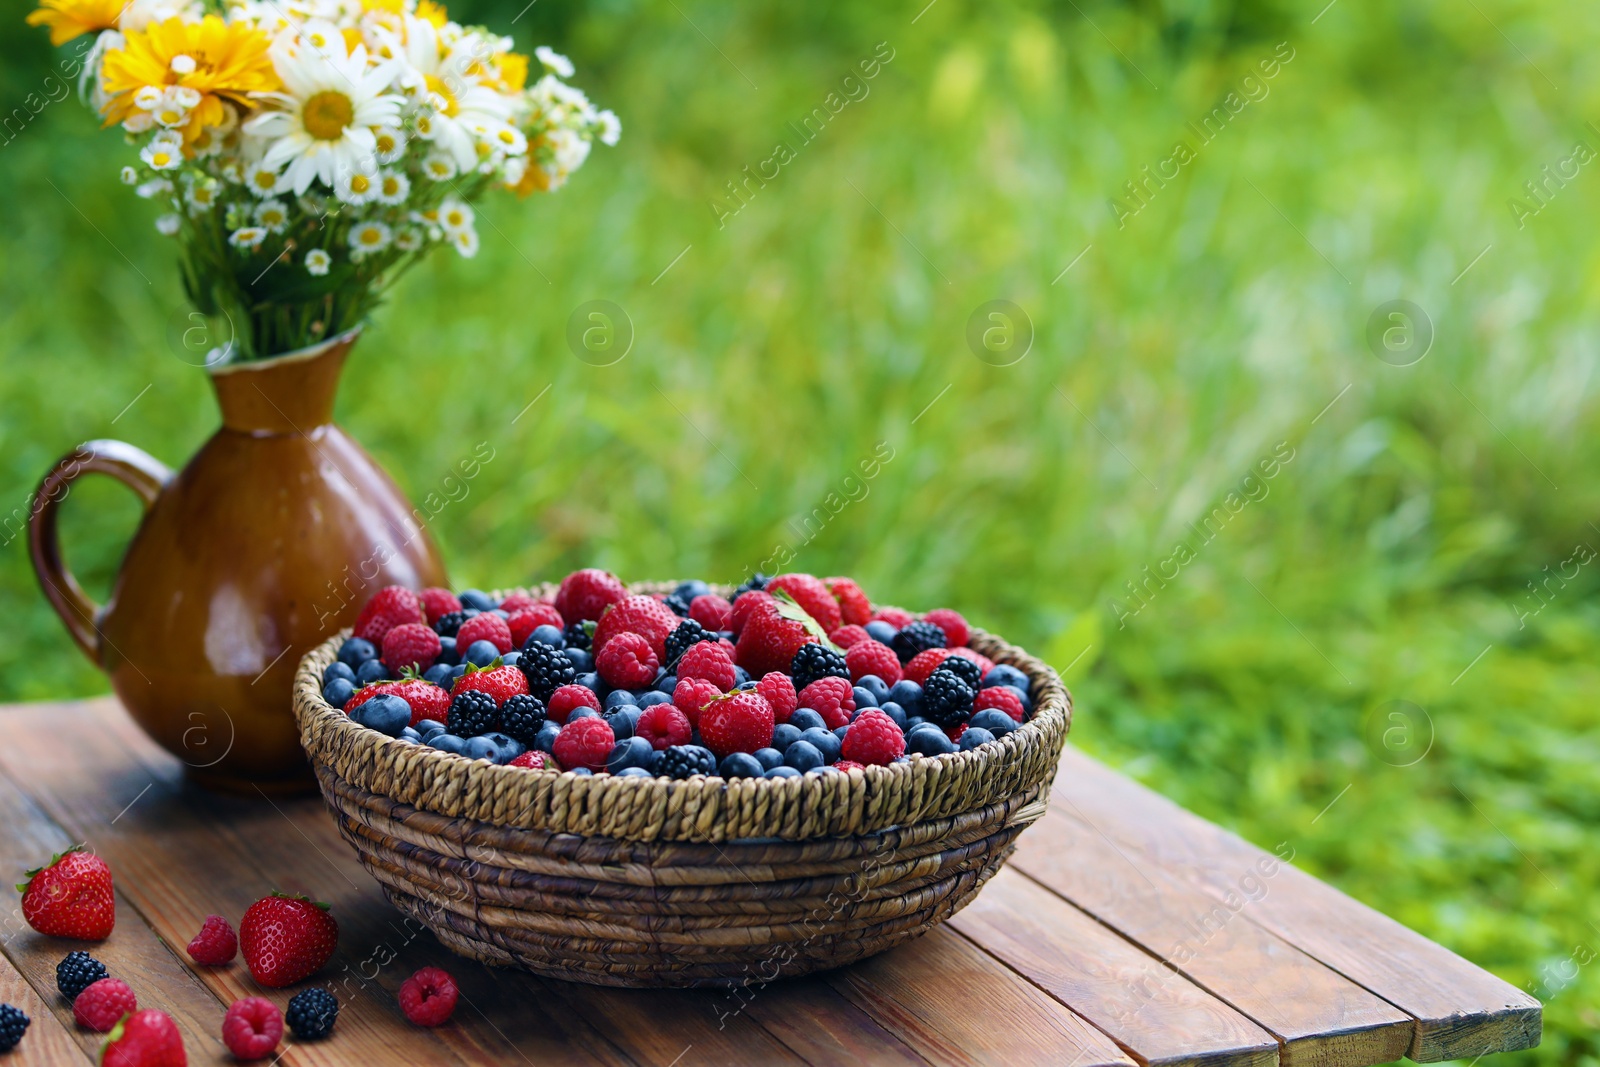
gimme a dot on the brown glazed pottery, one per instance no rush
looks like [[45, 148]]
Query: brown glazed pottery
[[269, 541]]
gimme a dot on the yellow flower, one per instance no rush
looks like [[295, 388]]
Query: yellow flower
[[512, 71], [433, 13], [74, 18], [219, 60]]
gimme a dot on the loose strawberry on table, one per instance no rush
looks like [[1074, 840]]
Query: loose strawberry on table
[[286, 939], [146, 1038], [72, 896]]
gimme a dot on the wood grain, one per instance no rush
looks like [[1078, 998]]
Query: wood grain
[[1460, 1009], [47, 1043], [1321, 1018], [1156, 1014]]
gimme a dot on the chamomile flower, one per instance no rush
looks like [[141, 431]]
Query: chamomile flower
[[129, 176], [272, 215], [610, 127], [466, 242], [554, 61], [247, 237], [449, 81], [369, 237], [355, 187], [202, 196], [162, 155], [389, 144], [455, 216], [439, 167], [263, 181], [408, 239], [167, 225], [317, 262], [153, 188], [392, 188]]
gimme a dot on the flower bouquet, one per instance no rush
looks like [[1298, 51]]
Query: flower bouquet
[[309, 151]]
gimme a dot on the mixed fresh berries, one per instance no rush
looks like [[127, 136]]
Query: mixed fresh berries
[[794, 674], [72, 896]]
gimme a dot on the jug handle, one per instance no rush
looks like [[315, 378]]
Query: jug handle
[[134, 468]]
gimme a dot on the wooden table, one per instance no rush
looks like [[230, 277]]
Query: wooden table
[[1123, 931]]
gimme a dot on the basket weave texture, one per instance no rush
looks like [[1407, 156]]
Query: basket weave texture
[[649, 882]]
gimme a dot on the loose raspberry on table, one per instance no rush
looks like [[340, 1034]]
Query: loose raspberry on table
[[899, 618], [744, 605], [627, 661], [831, 697], [502, 683], [847, 635], [215, 944], [691, 696], [740, 722], [412, 644], [1002, 697], [873, 739], [779, 690], [567, 698], [711, 611], [585, 594], [985, 664], [532, 760], [429, 997], [391, 606], [664, 725], [486, 626], [812, 595], [956, 631], [252, 1028], [924, 664], [584, 743], [437, 602], [708, 661], [854, 607], [100, 1006], [642, 615], [872, 657]]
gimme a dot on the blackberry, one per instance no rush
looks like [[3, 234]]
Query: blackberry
[[546, 667], [312, 1013], [472, 713], [449, 624], [13, 1023], [521, 716], [681, 761], [916, 637], [679, 641], [679, 606], [969, 671], [946, 698], [815, 661], [757, 581], [579, 635], [78, 971]]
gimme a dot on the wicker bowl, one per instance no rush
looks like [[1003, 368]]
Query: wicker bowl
[[650, 882]]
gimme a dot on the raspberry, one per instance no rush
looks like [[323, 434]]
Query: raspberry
[[848, 765], [847, 635], [502, 683], [252, 1028], [215, 944], [816, 661], [778, 688], [999, 696], [744, 606], [812, 595], [100, 1006], [485, 626], [437, 602], [873, 739], [532, 760], [913, 638], [708, 661], [710, 611], [692, 694], [688, 634], [584, 743], [643, 615], [522, 624], [985, 664], [472, 712], [391, 606], [854, 608], [954, 732], [517, 602], [585, 594], [830, 697], [956, 631], [924, 664], [627, 661], [946, 699], [412, 644], [569, 697], [546, 667], [429, 997], [664, 725], [872, 657], [741, 722], [312, 1013], [684, 761], [896, 617]]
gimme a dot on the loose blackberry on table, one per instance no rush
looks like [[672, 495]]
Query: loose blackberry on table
[[312, 1013], [13, 1024], [78, 971]]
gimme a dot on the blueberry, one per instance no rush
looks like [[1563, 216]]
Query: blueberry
[[740, 675], [372, 671], [618, 697], [449, 654], [652, 698], [723, 635], [408, 734], [590, 681], [582, 772], [784, 734], [502, 612], [895, 712], [974, 736], [337, 669], [481, 653], [929, 740], [582, 659], [635, 772], [511, 659], [583, 712], [385, 713], [448, 743], [741, 765], [687, 591], [768, 758], [912, 722], [667, 683], [805, 719], [881, 631], [840, 731], [746, 685], [623, 721], [478, 600], [630, 752], [338, 691], [1005, 674], [874, 685], [356, 651], [456, 672], [908, 695], [545, 740], [429, 727], [781, 772], [866, 698], [550, 635], [496, 747], [437, 674], [825, 741], [997, 722], [803, 756]]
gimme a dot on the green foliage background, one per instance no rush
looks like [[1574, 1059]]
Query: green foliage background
[[1387, 562]]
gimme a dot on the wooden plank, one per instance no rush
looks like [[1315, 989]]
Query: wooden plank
[[47, 1042], [1156, 1014], [1321, 1018], [1460, 1009], [955, 1004]]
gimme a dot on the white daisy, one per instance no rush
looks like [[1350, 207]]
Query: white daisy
[[355, 187], [455, 215], [322, 124], [610, 127], [392, 188], [369, 237], [154, 188], [138, 122], [439, 167], [408, 239], [202, 196], [147, 97], [162, 155], [466, 242], [167, 225], [263, 181], [554, 61], [449, 81], [272, 215], [247, 237], [389, 144], [129, 176], [318, 262]]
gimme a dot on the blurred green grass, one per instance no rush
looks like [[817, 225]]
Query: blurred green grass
[[829, 315]]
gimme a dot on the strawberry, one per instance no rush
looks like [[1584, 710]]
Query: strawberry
[[526, 620], [146, 1038], [585, 594], [899, 618], [710, 611], [427, 700], [854, 607], [517, 602], [772, 634], [985, 664], [391, 606], [642, 615], [502, 683], [738, 722], [72, 896], [412, 644], [485, 627], [744, 605], [812, 595], [437, 602], [924, 663], [286, 939], [532, 760], [1002, 697]]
